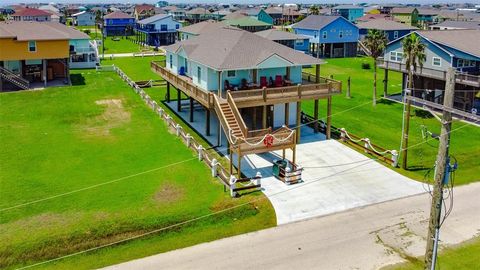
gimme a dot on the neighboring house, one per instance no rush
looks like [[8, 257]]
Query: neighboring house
[[161, 4], [144, 11], [330, 36], [249, 24], [368, 17], [216, 75], [197, 15], [39, 54], [455, 25], [49, 8], [392, 29], [157, 30], [427, 17], [291, 40], [406, 15], [196, 29], [83, 18], [264, 17], [118, 24], [177, 13], [31, 14], [444, 49], [349, 12], [283, 15]]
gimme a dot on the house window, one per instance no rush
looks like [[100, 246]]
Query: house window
[[163, 27], [299, 42], [171, 61], [395, 34], [315, 34], [199, 74], [177, 26], [231, 73], [340, 34], [324, 34], [436, 62], [396, 56], [32, 46]]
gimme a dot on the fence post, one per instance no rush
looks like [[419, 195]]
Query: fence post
[[178, 128], [160, 111], [214, 165], [258, 181], [200, 150], [395, 158], [366, 140], [232, 182], [343, 135], [188, 138]]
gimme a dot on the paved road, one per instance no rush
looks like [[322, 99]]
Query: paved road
[[362, 238]]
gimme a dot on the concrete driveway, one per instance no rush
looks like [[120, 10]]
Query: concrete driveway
[[336, 178]]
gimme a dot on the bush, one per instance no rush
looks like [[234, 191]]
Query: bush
[[365, 65], [87, 31]]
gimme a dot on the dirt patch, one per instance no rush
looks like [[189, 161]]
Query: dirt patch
[[114, 116], [168, 193]]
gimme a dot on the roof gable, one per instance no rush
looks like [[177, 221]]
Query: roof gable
[[274, 61]]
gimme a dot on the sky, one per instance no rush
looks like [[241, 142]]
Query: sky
[[9, 2]]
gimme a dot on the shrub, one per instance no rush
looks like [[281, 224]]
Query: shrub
[[365, 65], [87, 31]]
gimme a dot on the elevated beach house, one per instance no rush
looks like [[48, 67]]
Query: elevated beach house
[[330, 36], [252, 85], [118, 23], [444, 49], [393, 30], [291, 40], [349, 12], [157, 30]]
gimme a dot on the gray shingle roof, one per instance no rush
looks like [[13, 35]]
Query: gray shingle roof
[[459, 24], [385, 25], [315, 22], [202, 27], [273, 34], [154, 18], [463, 40], [23, 31], [237, 49], [118, 15]]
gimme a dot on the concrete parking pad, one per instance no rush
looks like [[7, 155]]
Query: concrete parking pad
[[336, 178]]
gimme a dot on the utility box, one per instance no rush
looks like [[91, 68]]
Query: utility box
[[279, 167]]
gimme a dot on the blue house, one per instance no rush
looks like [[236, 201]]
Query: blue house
[[118, 24], [157, 30], [349, 12], [83, 18], [392, 29], [330, 36], [291, 40], [444, 49]]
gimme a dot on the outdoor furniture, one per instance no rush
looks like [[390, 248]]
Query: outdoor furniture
[[263, 82], [244, 84], [227, 85], [286, 81], [182, 71], [278, 81], [271, 82]]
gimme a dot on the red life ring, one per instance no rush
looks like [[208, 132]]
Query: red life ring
[[268, 141]]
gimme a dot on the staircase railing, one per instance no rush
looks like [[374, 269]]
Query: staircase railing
[[364, 48], [221, 116], [236, 114], [14, 78]]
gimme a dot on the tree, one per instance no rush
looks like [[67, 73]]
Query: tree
[[375, 41], [314, 10], [414, 56]]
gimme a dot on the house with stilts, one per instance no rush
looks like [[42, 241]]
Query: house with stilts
[[253, 86]]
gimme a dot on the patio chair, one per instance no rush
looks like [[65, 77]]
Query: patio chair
[[263, 82], [271, 82], [244, 84], [227, 85], [278, 81], [182, 71]]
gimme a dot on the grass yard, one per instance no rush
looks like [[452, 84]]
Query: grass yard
[[65, 139], [122, 45], [383, 124], [463, 257], [137, 68]]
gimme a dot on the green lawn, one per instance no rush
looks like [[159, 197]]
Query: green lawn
[[383, 124], [119, 45], [138, 68], [463, 257], [64, 139]]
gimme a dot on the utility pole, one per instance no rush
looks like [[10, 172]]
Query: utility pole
[[441, 174], [406, 129]]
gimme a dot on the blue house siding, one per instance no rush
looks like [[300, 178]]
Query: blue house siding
[[302, 45], [119, 27], [264, 17], [157, 33], [391, 36], [351, 14], [337, 39]]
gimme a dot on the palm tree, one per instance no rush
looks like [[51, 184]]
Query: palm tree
[[414, 56], [375, 41], [314, 10]]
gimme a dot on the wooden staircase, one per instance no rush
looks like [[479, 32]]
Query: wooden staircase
[[14, 78], [231, 121], [364, 48]]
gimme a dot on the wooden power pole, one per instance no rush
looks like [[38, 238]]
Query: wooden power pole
[[442, 165]]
